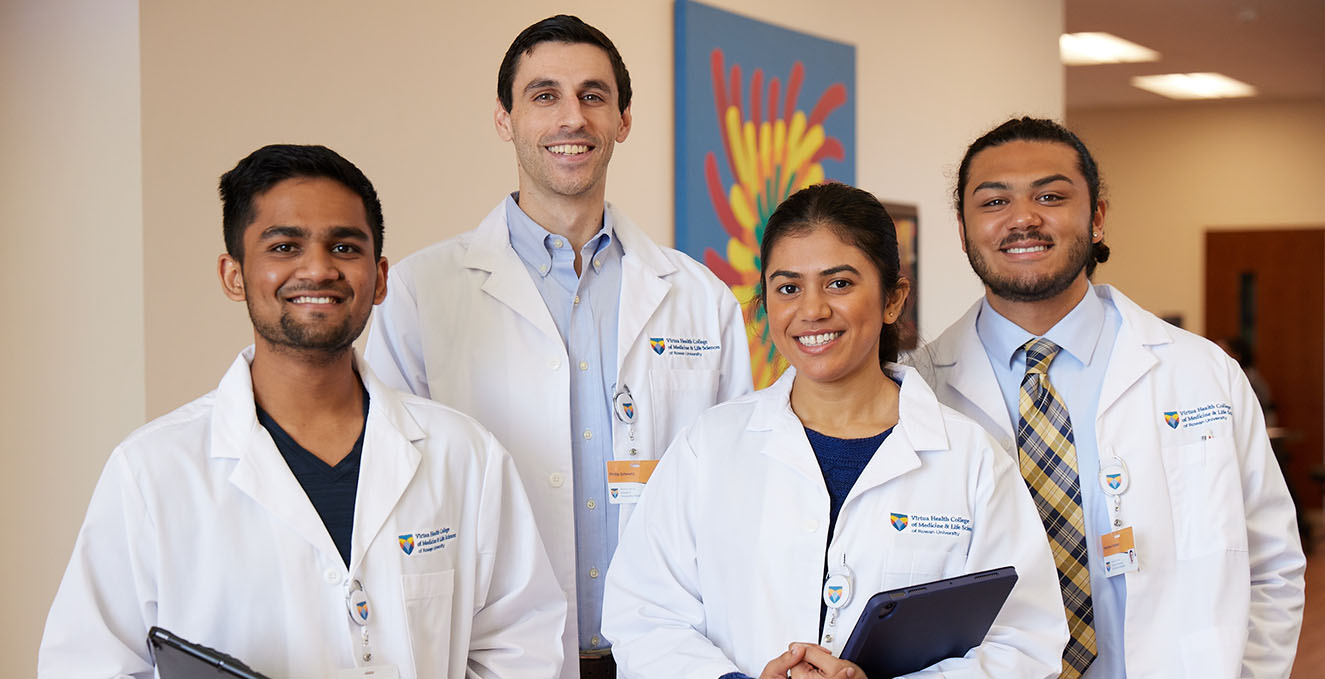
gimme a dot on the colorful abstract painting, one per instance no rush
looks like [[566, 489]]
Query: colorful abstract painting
[[761, 112]]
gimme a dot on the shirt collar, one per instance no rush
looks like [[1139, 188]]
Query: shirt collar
[[1077, 333], [535, 244]]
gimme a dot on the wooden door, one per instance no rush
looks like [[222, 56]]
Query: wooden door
[[1268, 287]]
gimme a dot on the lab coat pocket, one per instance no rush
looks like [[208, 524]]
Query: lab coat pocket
[[677, 397], [1205, 493], [913, 566], [427, 599]]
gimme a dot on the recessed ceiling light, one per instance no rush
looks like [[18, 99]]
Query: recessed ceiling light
[[1194, 86], [1084, 49]]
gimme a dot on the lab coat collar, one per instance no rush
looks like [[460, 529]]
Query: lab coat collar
[[508, 282], [959, 351], [920, 428], [1133, 351], [388, 464]]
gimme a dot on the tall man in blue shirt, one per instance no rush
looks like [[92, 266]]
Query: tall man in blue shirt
[[559, 325], [1143, 445]]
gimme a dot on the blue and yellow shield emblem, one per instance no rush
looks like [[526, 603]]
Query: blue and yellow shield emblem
[[834, 594], [1115, 481], [899, 521], [659, 345], [407, 544], [362, 608], [1171, 418]]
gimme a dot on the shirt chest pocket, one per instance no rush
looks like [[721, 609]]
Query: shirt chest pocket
[[1205, 494], [427, 598]]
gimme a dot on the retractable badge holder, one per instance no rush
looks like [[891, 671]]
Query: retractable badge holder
[[1118, 546], [837, 593], [356, 604], [623, 404]]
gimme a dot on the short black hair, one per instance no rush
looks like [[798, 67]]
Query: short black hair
[[275, 163], [567, 29], [1027, 128], [860, 220]]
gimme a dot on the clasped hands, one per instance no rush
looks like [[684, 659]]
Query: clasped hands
[[810, 661]]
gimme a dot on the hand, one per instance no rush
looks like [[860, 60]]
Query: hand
[[819, 663], [778, 667]]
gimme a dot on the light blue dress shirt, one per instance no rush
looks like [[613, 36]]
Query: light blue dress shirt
[[1086, 335], [584, 308]]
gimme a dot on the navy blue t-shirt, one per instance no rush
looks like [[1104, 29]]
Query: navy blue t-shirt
[[330, 489]]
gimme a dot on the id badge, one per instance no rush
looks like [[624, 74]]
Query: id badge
[[375, 672], [626, 479], [1119, 549]]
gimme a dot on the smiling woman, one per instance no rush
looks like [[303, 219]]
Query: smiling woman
[[800, 480]]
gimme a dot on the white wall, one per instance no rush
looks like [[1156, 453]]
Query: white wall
[[72, 275], [1171, 173], [406, 91]]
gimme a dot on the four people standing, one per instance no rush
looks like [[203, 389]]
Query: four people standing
[[1121, 464]]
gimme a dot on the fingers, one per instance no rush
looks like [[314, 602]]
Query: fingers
[[778, 667]]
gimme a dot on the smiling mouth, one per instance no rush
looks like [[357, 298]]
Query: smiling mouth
[[1023, 249], [309, 299], [819, 339], [569, 149]]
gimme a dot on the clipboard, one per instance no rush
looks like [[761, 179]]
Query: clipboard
[[910, 628], [178, 658]]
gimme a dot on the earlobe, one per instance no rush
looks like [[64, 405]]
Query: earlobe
[[231, 273], [379, 292], [626, 119], [501, 119]]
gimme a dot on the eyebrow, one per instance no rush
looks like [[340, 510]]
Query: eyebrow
[[591, 84], [826, 272], [1000, 186], [337, 233]]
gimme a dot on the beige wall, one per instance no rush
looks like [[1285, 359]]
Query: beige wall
[[72, 279], [405, 90], [1174, 172]]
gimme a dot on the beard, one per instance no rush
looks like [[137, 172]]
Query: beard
[[1032, 287], [327, 341]]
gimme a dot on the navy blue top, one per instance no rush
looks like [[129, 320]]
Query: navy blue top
[[330, 489], [842, 461]]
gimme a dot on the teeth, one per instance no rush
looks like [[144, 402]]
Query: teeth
[[569, 149], [1019, 251], [817, 340], [312, 300]]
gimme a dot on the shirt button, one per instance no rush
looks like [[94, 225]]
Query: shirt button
[[828, 638], [584, 365], [556, 479], [558, 243], [542, 269], [591, 504], [811, 525], [597, 263], [593, 572], [587, 434], [577, 300], [633, 451], [554, 364], [594, 640], [332, 576]]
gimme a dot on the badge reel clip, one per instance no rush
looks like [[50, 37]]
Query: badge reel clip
[[356, 604], [837, 593], [623, 404], [1118, 547]]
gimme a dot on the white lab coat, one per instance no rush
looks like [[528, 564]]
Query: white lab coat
[[464, 324], [197, 525], [1220, 588], [723, 564]]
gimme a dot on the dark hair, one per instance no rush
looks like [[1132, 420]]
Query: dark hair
[[859, 219], [273, 164], [1027, 128], [566, 29]]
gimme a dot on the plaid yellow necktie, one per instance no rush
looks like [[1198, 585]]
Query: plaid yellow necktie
[[1048, 459]]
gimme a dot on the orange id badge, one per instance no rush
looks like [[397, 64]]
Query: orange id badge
[[626, 479], [1119, 549]]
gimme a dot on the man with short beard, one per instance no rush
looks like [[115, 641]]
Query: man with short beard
[[304, 517], [1142, 444]]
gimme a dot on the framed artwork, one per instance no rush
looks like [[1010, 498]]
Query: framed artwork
[[907, 222], [761, 112]]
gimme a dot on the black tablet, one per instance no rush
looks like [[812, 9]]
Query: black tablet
[[177, 658], [908, 629]]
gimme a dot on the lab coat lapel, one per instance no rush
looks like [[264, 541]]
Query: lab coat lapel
[[919, 427], [261, 472], [786, 441], [971, 375], [1132, 357], [643, 286], [388, 465], [508, 281]]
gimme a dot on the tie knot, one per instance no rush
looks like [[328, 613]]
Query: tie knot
[[1040, 352]]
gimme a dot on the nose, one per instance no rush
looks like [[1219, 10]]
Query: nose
[[814, 305], [1026, 214], [571, 113], [317, 264]]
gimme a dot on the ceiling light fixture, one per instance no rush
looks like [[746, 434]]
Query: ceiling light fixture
[[1085, 49], [1194, 86]]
